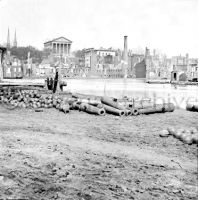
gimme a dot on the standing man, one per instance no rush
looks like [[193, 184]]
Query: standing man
[[55, 81], [29, 65]]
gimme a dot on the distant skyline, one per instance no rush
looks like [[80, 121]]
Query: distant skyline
[[167, 25]]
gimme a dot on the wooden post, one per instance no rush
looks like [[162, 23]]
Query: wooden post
[[59, 74]]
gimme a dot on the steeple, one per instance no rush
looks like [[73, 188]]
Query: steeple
[[15, 40], [8, 39]]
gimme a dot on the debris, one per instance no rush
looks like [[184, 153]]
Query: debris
[[113, 110], [164, 133], [92, 109], [109, 102], [38, 99], [186, 135]]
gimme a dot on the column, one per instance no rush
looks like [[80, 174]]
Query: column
[[67, 48], [63, 48], [59, 48], [56, 49]]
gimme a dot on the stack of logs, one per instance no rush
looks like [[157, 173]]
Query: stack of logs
[[93, 105]]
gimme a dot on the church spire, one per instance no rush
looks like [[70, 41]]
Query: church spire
[[8, 39], [15, 40]]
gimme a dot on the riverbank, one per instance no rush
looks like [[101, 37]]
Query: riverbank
[[132, 88], [51, 155]]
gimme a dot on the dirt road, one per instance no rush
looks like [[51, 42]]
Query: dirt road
[[50, 155]]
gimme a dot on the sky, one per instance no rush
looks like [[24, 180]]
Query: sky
[[168, 25]]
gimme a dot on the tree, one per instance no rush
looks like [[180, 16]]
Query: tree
[[79, 53], [22, 53]]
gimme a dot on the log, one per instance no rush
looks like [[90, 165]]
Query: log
[[142, 104], [128, 112], [135, 111], [113, 110], [156, 109], [108, 101], [93, 110]]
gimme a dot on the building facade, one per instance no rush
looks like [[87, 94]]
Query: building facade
[[104, 63], [2, 54], [134, 70], [97, 56], [58, 46]]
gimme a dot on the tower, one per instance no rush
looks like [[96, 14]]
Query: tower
[[8, 39], [15, 40]]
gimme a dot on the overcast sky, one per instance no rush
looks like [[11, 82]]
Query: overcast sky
[[168, 25]]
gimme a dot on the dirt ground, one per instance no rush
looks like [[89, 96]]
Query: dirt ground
[[50, 155]]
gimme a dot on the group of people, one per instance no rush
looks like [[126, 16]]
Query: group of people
[[52, 83]]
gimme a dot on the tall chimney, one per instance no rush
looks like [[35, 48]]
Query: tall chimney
[[125, 56], [125, 49]]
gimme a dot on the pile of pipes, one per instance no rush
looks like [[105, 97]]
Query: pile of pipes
[[93, 105], [186, 135], [109, 105]]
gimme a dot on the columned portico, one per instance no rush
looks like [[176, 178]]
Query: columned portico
[[59, 46]]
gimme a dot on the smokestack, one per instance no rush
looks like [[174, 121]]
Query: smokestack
[[147, 52], [125, 57], [125, 49]]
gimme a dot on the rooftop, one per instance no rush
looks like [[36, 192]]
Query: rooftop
[[59, 39]]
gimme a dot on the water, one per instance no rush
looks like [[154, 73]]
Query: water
[[134, 88]]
